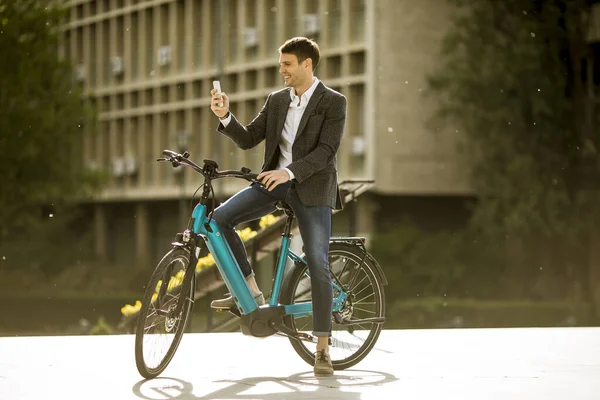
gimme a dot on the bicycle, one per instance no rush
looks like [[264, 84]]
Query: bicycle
[[358, 311]]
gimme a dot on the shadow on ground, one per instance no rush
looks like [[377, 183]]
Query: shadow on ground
[[297, 386]]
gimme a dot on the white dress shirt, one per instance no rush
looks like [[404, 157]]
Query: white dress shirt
[[290, 127]]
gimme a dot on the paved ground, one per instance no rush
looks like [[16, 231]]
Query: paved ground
[[482, 364]]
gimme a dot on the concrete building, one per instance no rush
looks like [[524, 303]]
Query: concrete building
[[148, 67]]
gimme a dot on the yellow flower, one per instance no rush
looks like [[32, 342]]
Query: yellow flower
[[205, 262], [175, 282], [128, 309], [246, 234], [268, 220], [125, 310]]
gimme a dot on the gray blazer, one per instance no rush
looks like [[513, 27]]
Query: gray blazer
[[314, 149]]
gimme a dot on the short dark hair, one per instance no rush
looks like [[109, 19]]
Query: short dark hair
[[302, 48]]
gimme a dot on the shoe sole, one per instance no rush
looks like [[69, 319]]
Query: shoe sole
[[229, 307], [221, 308]]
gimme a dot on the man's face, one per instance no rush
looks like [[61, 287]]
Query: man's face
[[294, 74]]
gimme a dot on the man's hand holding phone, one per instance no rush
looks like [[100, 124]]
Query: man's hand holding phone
[[220, 102]]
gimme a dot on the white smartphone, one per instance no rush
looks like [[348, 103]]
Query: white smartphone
[[217, 87]]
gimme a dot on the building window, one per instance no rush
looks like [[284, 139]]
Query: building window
[[149, 97], [357, 63], [272, 77], [93, 57], [149, 50], [134, 99], [231, 83], [135, 37], [180, 89], [357, 20], [198, 38], [273, 34], [335, 22], [234, 33], [181, 50], [334, 67], [149, 155], [251, 80], [356, 127]]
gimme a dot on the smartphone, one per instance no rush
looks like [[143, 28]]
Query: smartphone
[[217, 87]]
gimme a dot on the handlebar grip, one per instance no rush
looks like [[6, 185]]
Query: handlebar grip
[[169, 153]]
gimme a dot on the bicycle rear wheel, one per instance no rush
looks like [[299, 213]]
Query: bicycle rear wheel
[[159, 330], [366, 299]]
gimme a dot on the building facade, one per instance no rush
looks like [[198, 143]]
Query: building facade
[[148, 67]]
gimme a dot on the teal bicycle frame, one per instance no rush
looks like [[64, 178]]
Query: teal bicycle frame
[[232, 274]]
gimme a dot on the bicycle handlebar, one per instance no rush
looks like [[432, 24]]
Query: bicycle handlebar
[[209, 169]]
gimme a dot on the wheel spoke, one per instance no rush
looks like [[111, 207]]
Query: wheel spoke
[[368, 303], [363, 289], [151, 314], [353, 278], [358, 284], [362, 326], [304, 326], [344, 268], [153, 325], [362, 309]]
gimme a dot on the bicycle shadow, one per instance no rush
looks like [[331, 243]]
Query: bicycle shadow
[[298, 386]]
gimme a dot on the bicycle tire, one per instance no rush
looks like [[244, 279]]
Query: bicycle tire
[[290, 295], [173, 325]]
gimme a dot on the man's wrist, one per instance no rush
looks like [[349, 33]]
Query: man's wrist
[[224, 116], [290, 173]]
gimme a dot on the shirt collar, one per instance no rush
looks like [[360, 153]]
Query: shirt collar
[[307, 95]]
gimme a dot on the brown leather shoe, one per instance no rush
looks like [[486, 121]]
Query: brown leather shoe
[[323, 366]]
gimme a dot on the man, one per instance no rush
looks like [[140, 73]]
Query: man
[[302, 126]]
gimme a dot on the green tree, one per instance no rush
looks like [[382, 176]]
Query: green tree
[[42, 118], [514, 74]]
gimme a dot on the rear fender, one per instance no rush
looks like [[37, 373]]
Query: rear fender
[[360, 242]]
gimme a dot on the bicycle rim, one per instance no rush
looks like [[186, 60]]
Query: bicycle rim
[[159, 330], [349, 344]]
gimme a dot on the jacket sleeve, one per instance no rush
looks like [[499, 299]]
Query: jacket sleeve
[[249, 136], [330, 138]]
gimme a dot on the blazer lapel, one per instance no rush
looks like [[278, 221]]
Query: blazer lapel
[[284, 105], [310, 107]]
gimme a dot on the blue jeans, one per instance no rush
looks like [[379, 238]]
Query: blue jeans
[[314, 222]]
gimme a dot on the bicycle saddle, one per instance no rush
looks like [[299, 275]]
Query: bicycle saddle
[[280, 205]]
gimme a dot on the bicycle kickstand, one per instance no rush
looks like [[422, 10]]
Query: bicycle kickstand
[[285, 331]]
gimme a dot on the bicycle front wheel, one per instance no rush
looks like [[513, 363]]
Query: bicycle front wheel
[[159, 329], [366, 299]]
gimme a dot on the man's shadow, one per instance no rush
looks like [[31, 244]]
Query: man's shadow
[[297, 386]]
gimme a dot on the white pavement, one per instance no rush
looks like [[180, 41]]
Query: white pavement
[[482, 364]]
